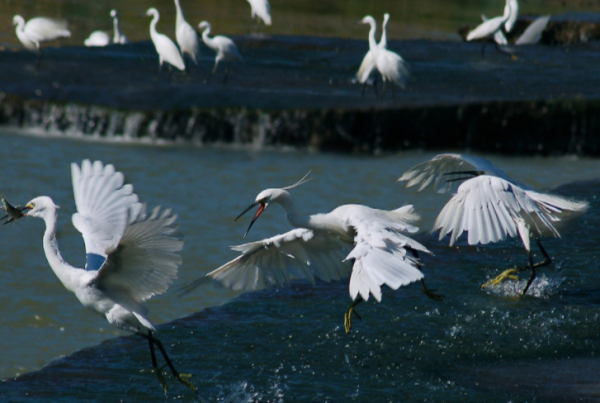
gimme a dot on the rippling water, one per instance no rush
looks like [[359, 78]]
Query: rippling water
[[289, 344]]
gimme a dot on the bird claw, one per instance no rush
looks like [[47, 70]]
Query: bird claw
[[503, 276], [184, 378], [348, 318], [162, 380]]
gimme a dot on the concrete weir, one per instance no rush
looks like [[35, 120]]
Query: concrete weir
[[300, 92]]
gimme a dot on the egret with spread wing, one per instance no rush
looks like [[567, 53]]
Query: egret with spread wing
[[492, 207], [489, 28], [131, 255], [324, 246]]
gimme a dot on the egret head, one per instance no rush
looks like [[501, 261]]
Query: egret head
[[113, 13], [17, 19], [39, 207], [152, 12], [204, 25], [368, 20]]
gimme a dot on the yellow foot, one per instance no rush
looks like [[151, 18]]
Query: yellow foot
[[348, 318], [506, 274], [162, 380], [184, 378], [514, 57]]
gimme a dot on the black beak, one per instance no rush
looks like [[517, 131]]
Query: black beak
[[261, 208]]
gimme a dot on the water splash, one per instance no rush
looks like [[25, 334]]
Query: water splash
[[542, 287]]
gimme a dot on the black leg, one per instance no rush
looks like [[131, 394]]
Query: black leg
[[375, 86], [393, 93], [157, 370], [428, 291], [547, 260], [363, 89]]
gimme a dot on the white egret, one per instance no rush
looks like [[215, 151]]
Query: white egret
[[225, 48], [186, 36], [166, 49], [261, 10], [389, 64], [488, 28], [323, 246], [97, 38], [514, 13], [118, 35], [533, 33], [130, 255], [499, 37], [491, 207], [37, 30], [368, 64]]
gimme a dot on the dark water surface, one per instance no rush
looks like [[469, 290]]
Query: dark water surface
[[289, 344]]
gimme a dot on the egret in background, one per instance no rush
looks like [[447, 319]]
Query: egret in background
[[389, 64], [186, 36], [225, 48], [533, 33], [368, 64], [324, 246], [514, 14], [37, 30], [166, 49], [489, 28], [491, 207], [260, 10], [130, 255], [97, 38], [118, 35], [499, 37]]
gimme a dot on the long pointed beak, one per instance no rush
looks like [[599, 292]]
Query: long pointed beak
[[261, 208], [24, 210]]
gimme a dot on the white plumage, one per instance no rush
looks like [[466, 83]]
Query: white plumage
[[514, 13], [324, 245], [261, 9], [97, 38], [489, 28], [166, 49], [39, 29], [118, 36], [533, 33], [224, 47], [186, 35], [489, 205], [368, 64], [130, 255]]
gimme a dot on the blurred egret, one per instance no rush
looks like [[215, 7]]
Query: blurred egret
[[488, 28], [187, 38], [97, 38], [323, 246], [225, 48], [118, 35], [130, 255], [166, 49], [39, 29], [514, 13], [368, 64], [261, 10], [533, 33], [491, 207], [499, 37]]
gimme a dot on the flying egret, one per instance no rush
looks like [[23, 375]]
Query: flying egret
[[187, 38], [323, 246], [118, 35], [261, 10], [37, 30], [166, 49], [492, 207], [130, 255], [533, 33], [488, 28], [225, 48], [97, 38], [368, 64]]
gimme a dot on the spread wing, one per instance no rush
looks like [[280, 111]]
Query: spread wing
[[437, 171], [103, 202], [297, 254], [490, 209], [145, 261], [382, 253], [533, 33]]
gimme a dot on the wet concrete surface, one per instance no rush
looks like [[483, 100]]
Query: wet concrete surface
[[300, 91]]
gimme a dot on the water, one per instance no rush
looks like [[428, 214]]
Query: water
[[289, 344]]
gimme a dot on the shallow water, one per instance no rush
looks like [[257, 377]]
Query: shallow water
[[289, 344]]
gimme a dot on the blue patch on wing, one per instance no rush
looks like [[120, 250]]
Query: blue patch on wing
[[94, 262]]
